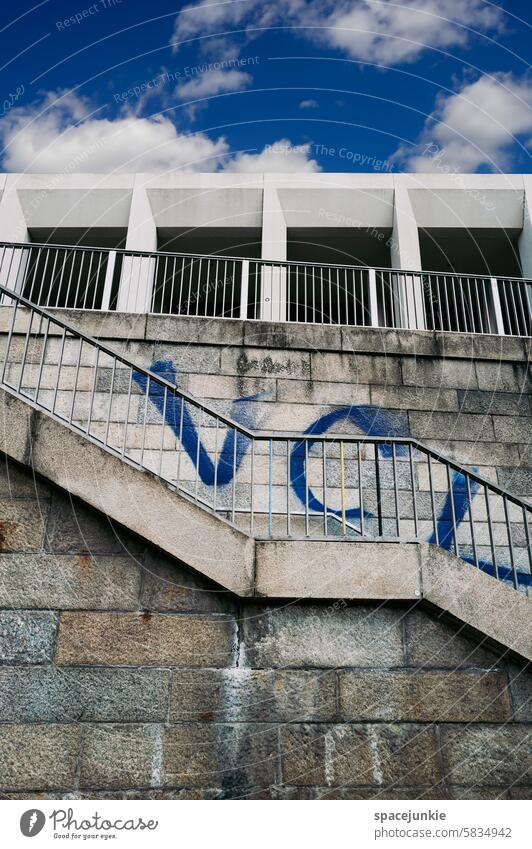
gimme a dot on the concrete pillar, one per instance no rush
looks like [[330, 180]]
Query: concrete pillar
[[273, 290], [406, 255], [137, 276], [525, 239], [13, 228]]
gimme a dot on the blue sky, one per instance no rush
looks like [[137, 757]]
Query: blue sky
[[248, 85]]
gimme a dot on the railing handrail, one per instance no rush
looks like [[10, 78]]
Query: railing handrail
[[263, 435], [260, 261]]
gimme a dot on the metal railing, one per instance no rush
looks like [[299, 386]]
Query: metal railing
[[232, 287], [269, 484]]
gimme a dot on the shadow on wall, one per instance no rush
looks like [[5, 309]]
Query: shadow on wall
[[368, 419]]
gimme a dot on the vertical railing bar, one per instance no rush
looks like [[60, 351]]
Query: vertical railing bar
[[453, 511], [89, 414], [233, 484], [199, 286], [471, 521], [342, 487], [95, 287], [111, 389], [9, 338], [325, 517], [414, 499], [215, 464], [50, 290], [527, 537], [510, 542], [378, 488], [288, 524], [39, 296], [208, 286], [252, 487], [433, 505], [59, 363], [360, 489], [41, 363], [396, 490], [270, 488], [180, 448], [196, 481], [306, 489], [163, 421], [145, 421], [126, 422], [25, 350], [490, 530]]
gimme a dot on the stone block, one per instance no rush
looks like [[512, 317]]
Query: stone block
[[516, 481], [487, 755], [322, 636], [21, 525], [503, 377], [500, 403], [414, 398], [189, 359], [167, 586], [253, 695], [452, 426], [38, 757], [194, 330], [131, 639], [27, 636], [305, 337], [68, 581], [424, 696], [48, 694], [74, 527], [19, 482], [208, 386], [256, 362], [356, 368], [120, 756], [521, 690], [359, 754], [512, 429], [439, 373], [322, 392], [233, 757], [433, 642]]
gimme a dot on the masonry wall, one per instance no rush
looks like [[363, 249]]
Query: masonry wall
[[123, 674], [468, 396]]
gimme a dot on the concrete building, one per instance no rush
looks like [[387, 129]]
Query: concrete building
[[264, 510]]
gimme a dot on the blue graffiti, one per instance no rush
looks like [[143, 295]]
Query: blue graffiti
[[179, 419], [370, 420]]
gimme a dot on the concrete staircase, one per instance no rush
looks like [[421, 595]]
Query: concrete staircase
[[282, 569]]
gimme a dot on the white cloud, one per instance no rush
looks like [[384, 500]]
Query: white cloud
[[476, 127], [309, 104], [368, 30], [213, 82], [62, 134], [280, 157]]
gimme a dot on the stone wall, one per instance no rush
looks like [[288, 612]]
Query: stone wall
[[125, 675]]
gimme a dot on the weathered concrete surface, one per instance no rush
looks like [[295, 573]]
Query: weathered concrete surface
[[328, 569], [136, 499], [477, 599]]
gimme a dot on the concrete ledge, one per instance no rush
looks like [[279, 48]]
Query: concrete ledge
[[306, 337], [136, 499], [327, 569]]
